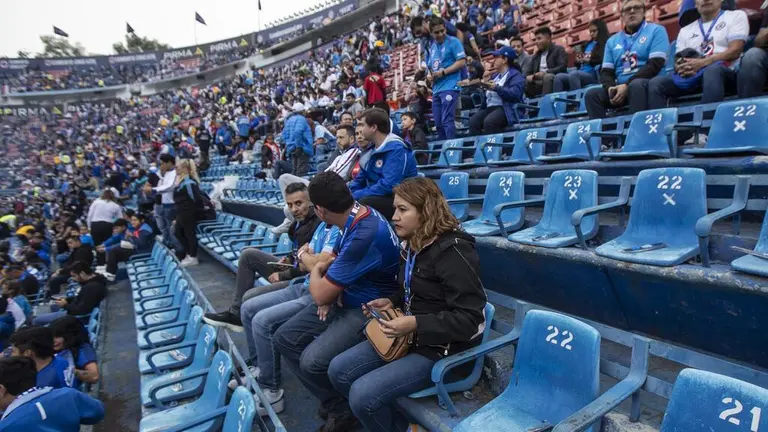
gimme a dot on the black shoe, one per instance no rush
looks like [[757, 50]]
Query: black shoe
[[342, 423], [224, 319]]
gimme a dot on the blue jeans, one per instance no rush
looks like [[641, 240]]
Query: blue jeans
[[165, 214], [715, 81], [444, 112], [371, 385], [262, 316], [308, 345], [45, 319], [574, 80], [752, 72], [62, 258]]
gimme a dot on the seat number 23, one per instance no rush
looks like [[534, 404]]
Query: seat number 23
[[730, 414]]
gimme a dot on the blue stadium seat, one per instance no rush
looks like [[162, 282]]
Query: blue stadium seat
[[213, 397], [708, 402], [485, 153], [177, 356], [556, 373], [168, 299], [455, 185], [503, 187], [168, 306], [148, 289], [246, 231], [548, 108], [567, 191], [529, 145], [666, 206], [175, 332], [647, 136], [754, 264], [573, 146], [737, 127], [576, 98], [238, 415], [234, 247]]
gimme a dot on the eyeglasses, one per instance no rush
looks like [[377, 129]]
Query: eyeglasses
[[632, 9]]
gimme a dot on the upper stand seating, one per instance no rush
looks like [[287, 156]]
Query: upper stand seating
[[556, 373], [573, 146], [709, 402], [503, 187], [737, 127], [647, 136]]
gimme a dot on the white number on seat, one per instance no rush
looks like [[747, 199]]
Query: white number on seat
[[653, 118], [581, 130], [745, 110], [566, 343], [730, 414], [453, 180], [572, 181], [221, 368], [505, 181], [664, 182]]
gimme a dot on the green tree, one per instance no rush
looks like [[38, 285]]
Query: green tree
[[54, 46], [23, 54], [136, 44]]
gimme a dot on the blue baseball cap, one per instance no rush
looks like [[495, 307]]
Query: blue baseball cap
[[506, 52]]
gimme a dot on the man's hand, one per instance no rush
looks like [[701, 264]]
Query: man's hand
[[61, 302], [618, 94], [274, 278], [529, 79], [539, 75], [397, 327], [379, 304], [430, 78], [322, 266], [692, 65], [147, 188], [100, 248], [322, 312]]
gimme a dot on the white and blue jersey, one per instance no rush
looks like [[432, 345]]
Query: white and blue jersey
[[323, 240], [367, 260], [442, 56], [51, 410], [626, 54], [53, 375]]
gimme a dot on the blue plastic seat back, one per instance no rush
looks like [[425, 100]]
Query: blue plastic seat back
[[666, 205], [215, 390], [456, 185], [762, 242], [492, 153], [259, 184], [549, 108], [557, 367], [451, 157], [242, 408], [741, 123], [519, 153], [504, 187], [194, 323], [568, 191], [574, 143], [205, 347], [647, 131], [708, 402], [284, 244], [269, 238]]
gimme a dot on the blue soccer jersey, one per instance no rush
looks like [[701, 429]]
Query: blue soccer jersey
[[442, 56], [626, 54], [53, 375], [367, 261], [323, 240]]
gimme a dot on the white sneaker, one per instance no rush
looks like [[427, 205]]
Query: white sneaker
[[101, 268], [189, 261], [253, 370], [702, 140], [282, 228], [110, 277], [275, 399]]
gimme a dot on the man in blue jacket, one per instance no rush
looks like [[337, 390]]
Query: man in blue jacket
[[391, 163], [223, 138], [298, 140], [45, 409]]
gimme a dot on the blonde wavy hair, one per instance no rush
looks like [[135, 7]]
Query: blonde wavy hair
[[434, 214], [189, 169]]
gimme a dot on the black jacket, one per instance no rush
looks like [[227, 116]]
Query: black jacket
[[186, 205], [557, 61], [84, 253], [300, 236], [447, 296], [90, 295]]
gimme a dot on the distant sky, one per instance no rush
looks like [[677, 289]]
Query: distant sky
[[169, 21]]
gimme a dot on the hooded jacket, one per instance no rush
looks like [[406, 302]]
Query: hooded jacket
[[143, 239], [90, 295], [297, 134], [388, 166]]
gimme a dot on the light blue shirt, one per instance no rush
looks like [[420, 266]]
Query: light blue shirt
[[323, 240], [650, 41], [442, 56]]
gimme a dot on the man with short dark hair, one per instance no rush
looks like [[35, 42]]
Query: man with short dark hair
[[78, 252], [365, 267], [165, 210], [93, 289], [347, 117], [346, 153], [523, 58], [37, 343], [390, 163], [550, 59], [30, 408]]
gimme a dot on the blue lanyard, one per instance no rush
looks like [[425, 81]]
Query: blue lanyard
[[706, 34], [627, 44], [350, 219], [410, 264]]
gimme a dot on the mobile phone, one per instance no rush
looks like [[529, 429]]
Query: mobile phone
[[279, 266], [374, 313], [58, 297]]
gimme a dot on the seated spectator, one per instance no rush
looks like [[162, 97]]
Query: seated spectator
[[754, 65], [85, 236], [7, 322], [139, 241], [589, 57], [445, 60], [30, 284], [503, 91], [706, 59], [324, 140], [413, 135], [509, 18], [93, 289], [391, 162], [79, 253], [119, 229], [253, 261], [444, 317], [348, 116], [14, 291], [364, 269], [31, 408], [638, 54], [484, 30], [70, 341], [345, 143], [37, 343], [550, 59]]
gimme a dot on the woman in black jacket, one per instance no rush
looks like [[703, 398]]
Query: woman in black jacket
[[443, 301], [187, 197], [589, 57]]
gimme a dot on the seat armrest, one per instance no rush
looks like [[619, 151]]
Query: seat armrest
[[465, 200], [578, 216], [157, 351], [506, 206], [161, 328], [704, 225], [154, 388], [602, 134], [146, 314], [567, 101], [198, 420]]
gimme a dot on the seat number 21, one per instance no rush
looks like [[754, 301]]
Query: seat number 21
[[730, 414]]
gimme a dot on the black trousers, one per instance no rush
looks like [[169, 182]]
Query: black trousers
[[56, 282], [598, 102], [185, 233], [488, 121], [100, 231], [115, 256], [382, 204]]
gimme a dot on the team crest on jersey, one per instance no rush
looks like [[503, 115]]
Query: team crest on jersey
[[642, 40], [436, 65], [720, 26], [379, 163]]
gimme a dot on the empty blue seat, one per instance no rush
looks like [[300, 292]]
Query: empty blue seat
[[568, 191], [485, 153], [450, 153], [502, 187], [647, 136], [548, 108], [238, 415], [738, 127], [178, 355], [708, 402], [556, 373], [455, 185], [527, 148], [573, 146], [666, 205], [754, 264], [213, 397]]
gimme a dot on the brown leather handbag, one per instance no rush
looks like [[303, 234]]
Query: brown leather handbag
[[388, 349]]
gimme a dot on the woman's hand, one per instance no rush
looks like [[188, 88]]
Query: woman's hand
[[397, 327], [379, 304]]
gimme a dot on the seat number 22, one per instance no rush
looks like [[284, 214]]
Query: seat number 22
[[565, 343], [730, 414]]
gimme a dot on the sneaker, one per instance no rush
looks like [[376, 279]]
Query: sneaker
[[253, 370], [282, 228], [101, 268], [224, 319], [275, 399], [702, 140], [189, 261], [109, 276]]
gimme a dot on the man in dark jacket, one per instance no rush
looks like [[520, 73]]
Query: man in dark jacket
[[93, 289], [78, 252], [550, 59]]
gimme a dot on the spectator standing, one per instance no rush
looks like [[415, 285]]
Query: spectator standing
[[203, 141], [165, 214], [102, 213], [550, 59], [503, 91], [297, 136], [589, 57], [189, 203], [374, 86], [445, 60]]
